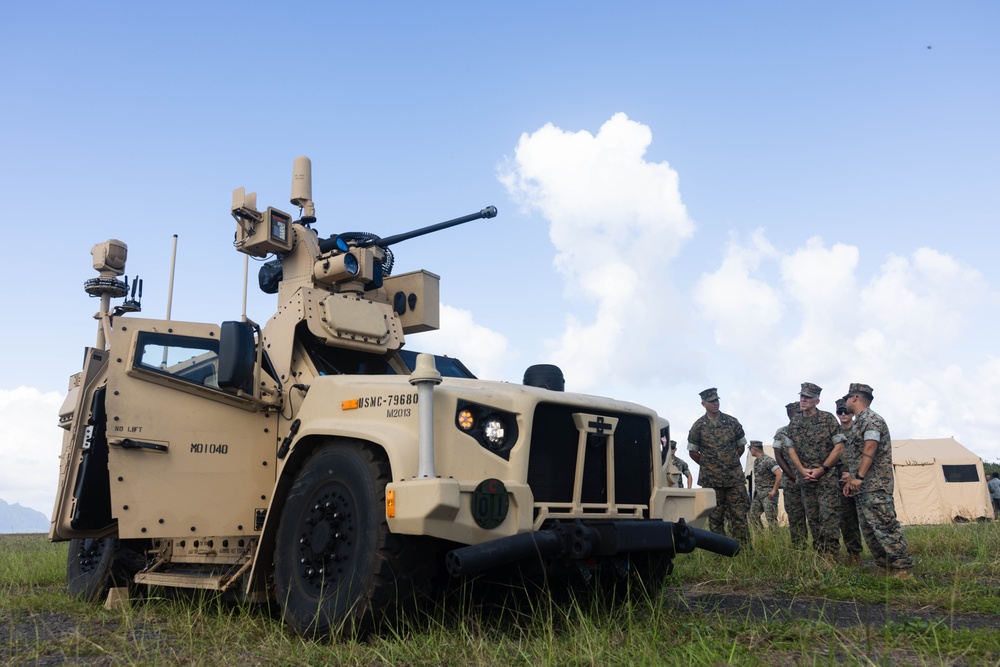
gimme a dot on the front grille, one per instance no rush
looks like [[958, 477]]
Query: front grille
[[554, 446]]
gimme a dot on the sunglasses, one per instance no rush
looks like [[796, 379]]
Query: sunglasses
[[842, 411]]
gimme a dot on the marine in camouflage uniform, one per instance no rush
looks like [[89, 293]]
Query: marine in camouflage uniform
[[869, 459], [674, 467], [817, 444], [679, 469], [716, 442], [792, 490], [766, 477], [850, 530]]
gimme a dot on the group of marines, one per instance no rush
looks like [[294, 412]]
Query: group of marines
[[835, 472]]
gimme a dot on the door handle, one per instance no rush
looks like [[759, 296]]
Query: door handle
[[128, 443]]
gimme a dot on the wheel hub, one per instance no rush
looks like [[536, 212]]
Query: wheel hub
[[327, 539], [90, 553]]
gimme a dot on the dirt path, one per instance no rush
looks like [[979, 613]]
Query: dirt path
[[837, 613]]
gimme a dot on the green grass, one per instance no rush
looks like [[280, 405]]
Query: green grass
[[957, 570]]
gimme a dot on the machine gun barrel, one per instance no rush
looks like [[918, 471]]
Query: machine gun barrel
[[488, 212]]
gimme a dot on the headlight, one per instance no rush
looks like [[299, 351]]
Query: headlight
[[495, 430]]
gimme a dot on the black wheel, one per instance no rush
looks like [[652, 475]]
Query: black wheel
[[337, 567], [93, 567]]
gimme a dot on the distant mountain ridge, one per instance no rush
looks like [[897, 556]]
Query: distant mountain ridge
[[19, 519]]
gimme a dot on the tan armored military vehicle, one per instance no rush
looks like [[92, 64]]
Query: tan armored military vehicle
[[319, 464]]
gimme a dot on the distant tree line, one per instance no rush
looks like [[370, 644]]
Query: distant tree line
[[990, 468]]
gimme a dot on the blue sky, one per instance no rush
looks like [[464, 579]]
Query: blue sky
[[740, 195]]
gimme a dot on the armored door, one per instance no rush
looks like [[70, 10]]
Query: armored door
[[186, 457]]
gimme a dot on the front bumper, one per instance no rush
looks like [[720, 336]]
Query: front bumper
[[580, 540]]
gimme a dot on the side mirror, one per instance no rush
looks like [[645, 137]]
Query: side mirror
[[237, 356]]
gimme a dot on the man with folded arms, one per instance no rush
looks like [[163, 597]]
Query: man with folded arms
[[816, 446]]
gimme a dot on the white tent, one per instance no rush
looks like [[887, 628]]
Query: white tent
[[938, 480]]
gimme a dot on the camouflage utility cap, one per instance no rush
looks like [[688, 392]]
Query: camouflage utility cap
[[756, 444], [860, 388], [709, 395], [841, 403], [792, 409], [811, 390]]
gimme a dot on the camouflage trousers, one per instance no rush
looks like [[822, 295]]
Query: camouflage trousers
[[883, 534], [796, 512], [761, 504], [850, 530], [731, 506], [822, 502]]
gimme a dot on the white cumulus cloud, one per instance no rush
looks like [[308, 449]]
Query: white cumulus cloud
[[742, 308], [911, 327], [615, 221]]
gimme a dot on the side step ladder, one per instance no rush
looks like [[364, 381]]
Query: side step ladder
[[151, 576], [184, 580]]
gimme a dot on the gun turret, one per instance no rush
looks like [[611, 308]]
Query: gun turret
[[382, 264], [351, 261]]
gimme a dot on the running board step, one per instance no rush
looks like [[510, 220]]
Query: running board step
[[182, 580]]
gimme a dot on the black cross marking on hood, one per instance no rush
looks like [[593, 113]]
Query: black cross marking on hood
[[600, 425]]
